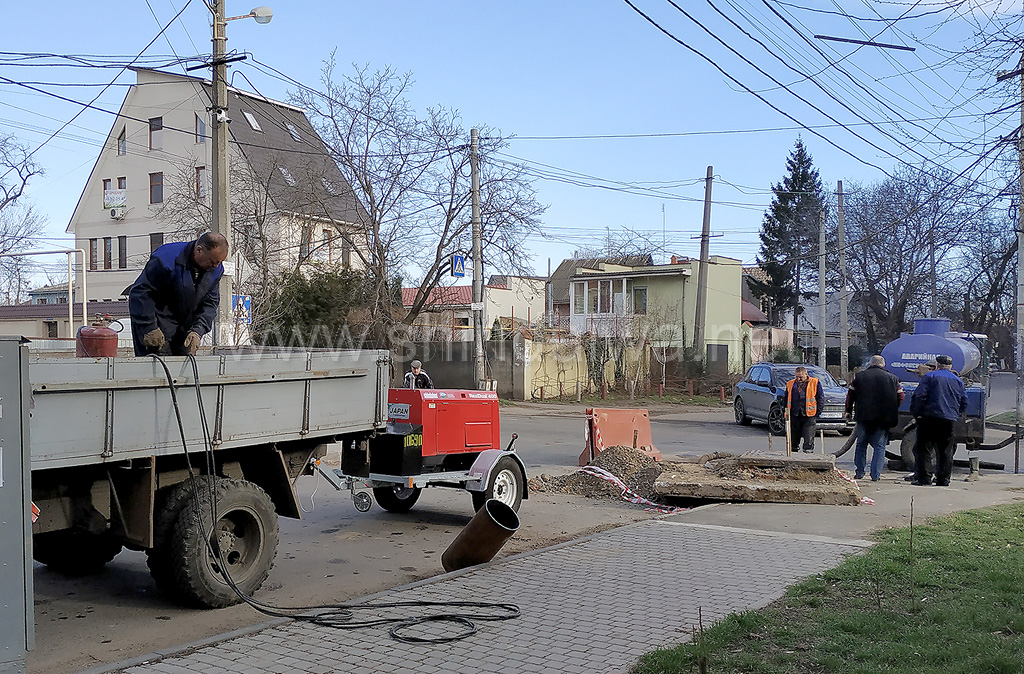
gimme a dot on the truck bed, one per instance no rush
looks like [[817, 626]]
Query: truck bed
[[98, 410]]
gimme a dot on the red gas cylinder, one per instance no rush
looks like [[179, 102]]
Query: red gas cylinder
[[96, 340]]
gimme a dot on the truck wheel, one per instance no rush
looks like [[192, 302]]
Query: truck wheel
[[245, 532], [75, 553], [507, 485], [776, 420], [169, 504], [741, 413], [396, 498]]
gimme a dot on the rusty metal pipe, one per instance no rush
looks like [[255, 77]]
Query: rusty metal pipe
[[481, 539]]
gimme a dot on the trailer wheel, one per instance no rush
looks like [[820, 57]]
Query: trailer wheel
[[169, 504], [506, 485], [245, 532], [396, 498], [75, 553], [776, 420]]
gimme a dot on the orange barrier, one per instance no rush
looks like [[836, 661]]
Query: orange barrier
[[609, 427]]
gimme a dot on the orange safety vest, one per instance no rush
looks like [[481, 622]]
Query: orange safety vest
[[812, 393]]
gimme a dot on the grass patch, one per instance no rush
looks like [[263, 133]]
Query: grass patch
[[952, 601], [1008, 417]]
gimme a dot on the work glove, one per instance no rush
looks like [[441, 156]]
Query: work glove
[[192, 340], [154, 340]]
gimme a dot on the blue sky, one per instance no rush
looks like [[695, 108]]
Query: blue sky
[[564, 68]]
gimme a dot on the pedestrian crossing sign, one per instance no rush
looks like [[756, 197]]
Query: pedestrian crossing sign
[[241, 306], [458, 265]]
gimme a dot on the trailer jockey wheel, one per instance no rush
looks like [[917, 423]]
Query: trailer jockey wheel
[[396, 498], [362, 501], [506, 485]]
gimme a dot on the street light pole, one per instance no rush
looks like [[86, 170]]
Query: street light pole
[[478, 261], [221, 194]]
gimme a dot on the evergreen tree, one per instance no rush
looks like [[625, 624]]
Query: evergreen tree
[[789, 235]]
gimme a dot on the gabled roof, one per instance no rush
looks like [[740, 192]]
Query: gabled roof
[[449, 297], [59, 311], [567, 269], [749, 313]]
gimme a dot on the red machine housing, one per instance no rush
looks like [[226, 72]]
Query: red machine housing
[[453, 421]]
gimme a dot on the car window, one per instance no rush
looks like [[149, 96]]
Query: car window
[[763, 376], [751, 375], [784, 373]]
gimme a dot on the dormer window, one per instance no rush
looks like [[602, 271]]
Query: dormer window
[[287, 175], [294, 133]]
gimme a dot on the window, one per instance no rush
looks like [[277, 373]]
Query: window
[[156, 239], [287, 175], [156, 133], [304, 245], [41, 300], [639, 300], [122, 142], [201, 182], [122, 252], [106, 184], [51, 329], [200, 129], [606, 297], [591, 297], [618, 306], [329, 244], [252, 121], [122, 183], [294, 133], [108, 252], [328, 185], [156, 188], [346, 252], [93, 252], [579, 302]]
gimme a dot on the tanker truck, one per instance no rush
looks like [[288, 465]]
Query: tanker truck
[[932, 337]]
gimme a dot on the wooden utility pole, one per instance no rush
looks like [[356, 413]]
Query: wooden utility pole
[[478, 262], [702, 275], [219, 165], [844, 318]]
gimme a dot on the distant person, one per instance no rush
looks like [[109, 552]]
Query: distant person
[[174, 301], [416, 377], [805, 400], [874, 398], [937, 403]]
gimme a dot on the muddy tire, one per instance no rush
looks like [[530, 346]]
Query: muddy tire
[[776, 420], [506, 485], [169, 504], [244, 531], [907, 449], [396, 498], [75, 553], [741, 412]]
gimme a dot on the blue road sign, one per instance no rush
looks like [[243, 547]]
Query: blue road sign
[[458, 265], [241, 305]]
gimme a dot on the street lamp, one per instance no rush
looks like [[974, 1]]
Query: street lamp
[[221, 195]]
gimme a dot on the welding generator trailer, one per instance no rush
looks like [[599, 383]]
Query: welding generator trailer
[[434, 438]]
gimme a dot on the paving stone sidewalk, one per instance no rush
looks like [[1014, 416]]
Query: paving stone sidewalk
[[592, 605]]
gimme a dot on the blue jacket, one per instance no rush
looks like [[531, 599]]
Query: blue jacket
[[164, 296], [940, 394]]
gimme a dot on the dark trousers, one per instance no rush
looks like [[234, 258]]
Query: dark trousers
[[802, 426], [934, 435]]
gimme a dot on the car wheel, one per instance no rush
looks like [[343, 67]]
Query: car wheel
[[741, 412], [776, 420]]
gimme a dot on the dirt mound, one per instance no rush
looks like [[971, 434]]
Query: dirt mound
[[637, 470]]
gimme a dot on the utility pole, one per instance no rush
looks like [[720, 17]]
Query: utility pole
[[221, 195], [822, 313], [702, 275], [478, 262], [844, 317]]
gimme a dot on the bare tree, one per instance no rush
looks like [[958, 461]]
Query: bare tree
[[892, 227], [19, 222], [412, 177]]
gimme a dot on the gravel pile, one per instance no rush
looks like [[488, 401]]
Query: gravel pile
[[637, 470]]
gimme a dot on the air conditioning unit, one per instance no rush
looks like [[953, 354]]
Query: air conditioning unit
[[117, 213]]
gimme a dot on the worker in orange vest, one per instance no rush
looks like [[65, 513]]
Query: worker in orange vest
[[804, 402]]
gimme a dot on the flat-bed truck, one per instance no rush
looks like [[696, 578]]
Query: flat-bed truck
[[109, 468]]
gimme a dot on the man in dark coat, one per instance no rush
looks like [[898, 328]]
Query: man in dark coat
[[937, 403], [874, 397], [174, 301]]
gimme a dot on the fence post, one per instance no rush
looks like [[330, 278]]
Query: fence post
[[721, 393], [579, 391], [604, 390], [689, 387], [661, 390], [542, 394]]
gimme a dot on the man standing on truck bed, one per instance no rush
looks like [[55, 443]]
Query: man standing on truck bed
[[174, 301]]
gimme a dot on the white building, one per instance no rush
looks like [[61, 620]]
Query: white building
[[151, 184]]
